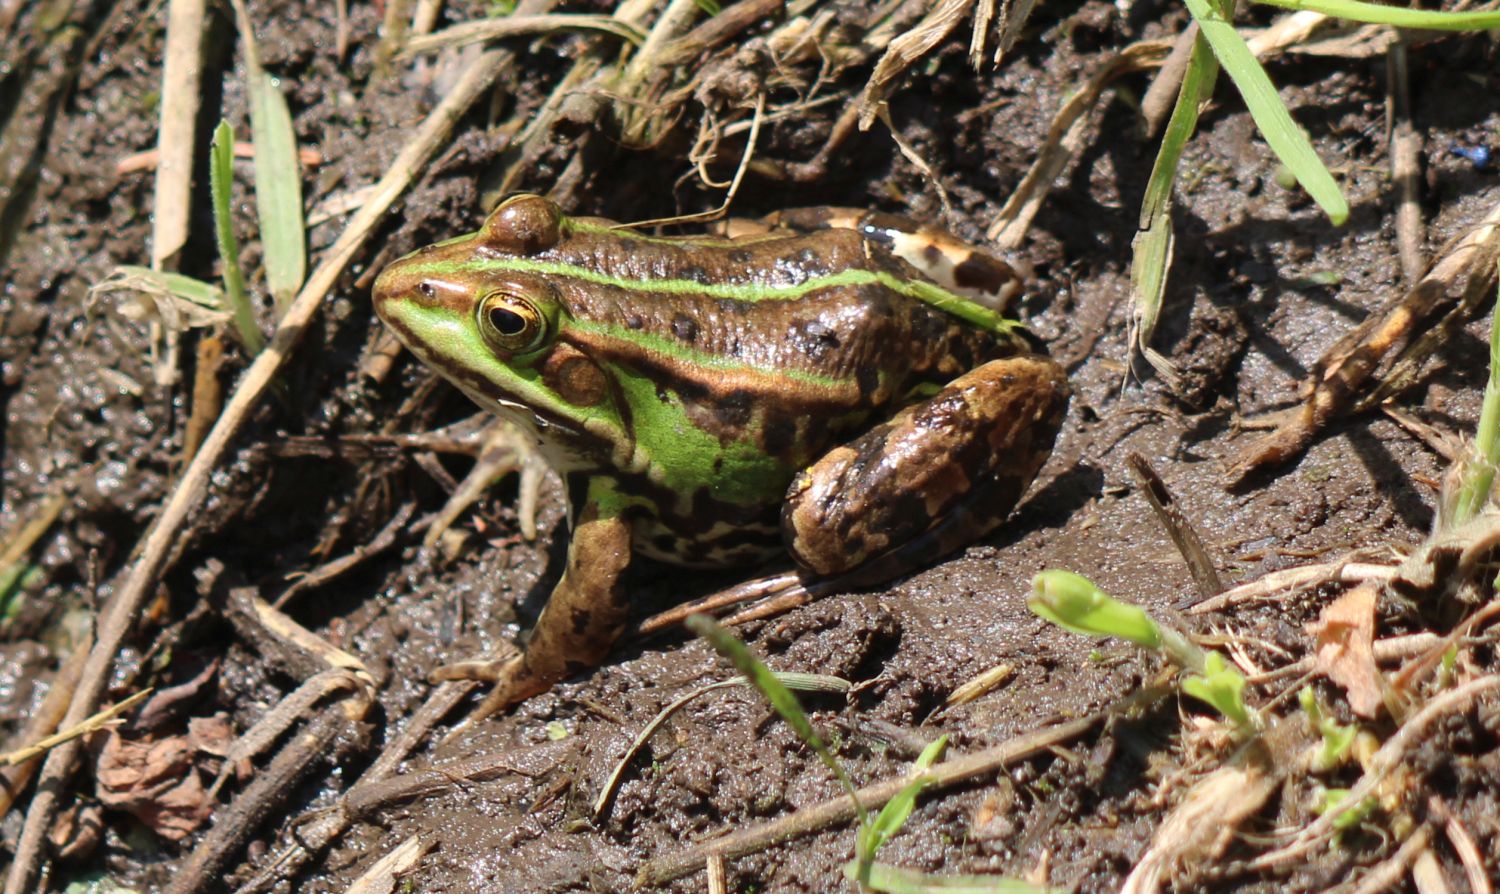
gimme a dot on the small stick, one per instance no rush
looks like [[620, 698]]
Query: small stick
[[1342, 571], [1184, 535], [332, 569], [1406, 155]]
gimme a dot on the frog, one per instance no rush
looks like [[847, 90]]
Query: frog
[[830, 385]]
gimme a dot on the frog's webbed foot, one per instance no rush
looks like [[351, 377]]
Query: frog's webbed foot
[[504, 449], [937, 475]]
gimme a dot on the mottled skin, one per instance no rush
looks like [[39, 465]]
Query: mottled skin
[[717, 401]]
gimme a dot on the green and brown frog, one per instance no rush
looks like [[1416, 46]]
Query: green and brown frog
[[804, 389]]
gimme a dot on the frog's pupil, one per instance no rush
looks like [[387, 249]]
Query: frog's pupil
[[507, 322]]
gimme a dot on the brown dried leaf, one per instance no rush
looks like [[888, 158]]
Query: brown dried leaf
[[154, 779], [1345, 632]]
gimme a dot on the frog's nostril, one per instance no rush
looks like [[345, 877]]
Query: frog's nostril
[[427, 289]]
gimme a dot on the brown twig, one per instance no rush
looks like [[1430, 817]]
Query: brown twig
[[1406, 162], [1170, 516], [1332, 389], [323, 828], [383, 540]]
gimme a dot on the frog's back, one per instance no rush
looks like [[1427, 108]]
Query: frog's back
[[822, 317]]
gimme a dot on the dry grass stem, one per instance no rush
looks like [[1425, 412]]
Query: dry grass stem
[[177, 136], [1280, 585], [1065, 139], [1406, 166], [905, 51], [387, 873], [88, 725], [466, 33]]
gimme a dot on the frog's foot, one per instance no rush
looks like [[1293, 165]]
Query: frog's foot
[[939, 474], [505, 449]]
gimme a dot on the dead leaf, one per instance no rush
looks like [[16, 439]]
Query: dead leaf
[[153, 778], [1345, 633]]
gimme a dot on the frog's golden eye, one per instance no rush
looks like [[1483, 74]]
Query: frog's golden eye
[[512, 323]]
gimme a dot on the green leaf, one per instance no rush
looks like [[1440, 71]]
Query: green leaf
[[896, 811], [1152, 247], [1285, 138], [278, 189], [1072, 602], [1476, 478], [221, 178], [1222, 687]]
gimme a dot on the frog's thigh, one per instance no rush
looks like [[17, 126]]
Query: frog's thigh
[[958, 462], [582, 619]]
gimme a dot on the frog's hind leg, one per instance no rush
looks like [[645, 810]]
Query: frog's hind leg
[[583, 618], [937, 475], [961, 268]]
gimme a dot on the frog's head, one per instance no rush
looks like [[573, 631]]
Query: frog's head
[[485, 311]]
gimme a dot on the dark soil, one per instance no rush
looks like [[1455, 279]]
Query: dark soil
[[1262, 285]]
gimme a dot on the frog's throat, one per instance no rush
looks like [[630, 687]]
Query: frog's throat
[[556, 441]]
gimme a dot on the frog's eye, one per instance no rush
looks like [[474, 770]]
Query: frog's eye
[[512, 323]]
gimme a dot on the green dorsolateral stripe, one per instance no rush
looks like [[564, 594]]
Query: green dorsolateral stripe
[[925, 292], [662, 345], [444, 329]]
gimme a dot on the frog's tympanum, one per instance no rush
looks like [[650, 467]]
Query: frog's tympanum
[[717, 401]]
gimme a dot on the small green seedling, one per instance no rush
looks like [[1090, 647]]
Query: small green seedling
[[1337, 738], [220, 176], [1074, 603]]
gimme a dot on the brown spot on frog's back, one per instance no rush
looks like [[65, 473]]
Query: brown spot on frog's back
[[980, 271], [685, 328]]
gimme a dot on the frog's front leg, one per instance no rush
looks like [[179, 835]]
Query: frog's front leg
[[939, 474], [583, 617]]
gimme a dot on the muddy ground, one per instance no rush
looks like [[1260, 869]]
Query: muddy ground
[[1262, 286]]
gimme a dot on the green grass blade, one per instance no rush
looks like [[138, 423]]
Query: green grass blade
[[1478, 476], [1396, 16], [278, 189], [781, 698], [1284, 136], [1152, 247], [896, 811], [197, 291], [220, 178]]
